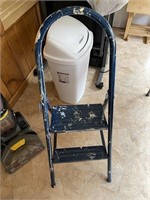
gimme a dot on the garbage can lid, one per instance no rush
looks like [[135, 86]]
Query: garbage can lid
[[66, 38]]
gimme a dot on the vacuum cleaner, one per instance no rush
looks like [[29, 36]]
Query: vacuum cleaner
[[19, 143]]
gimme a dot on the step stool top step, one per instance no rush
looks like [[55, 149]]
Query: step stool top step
[[78, 117]]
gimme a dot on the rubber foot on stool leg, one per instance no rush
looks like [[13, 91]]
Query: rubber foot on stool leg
[[109, 179], [53, 186]]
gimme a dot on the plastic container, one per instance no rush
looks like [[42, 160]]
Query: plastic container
[[67, 50]]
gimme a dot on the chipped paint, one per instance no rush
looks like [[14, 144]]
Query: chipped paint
[[92, 115], [78, 11], [77, 116], [64, 108], [62, 114], [91, 155], [60, 11], [69, 124], [38, 35]]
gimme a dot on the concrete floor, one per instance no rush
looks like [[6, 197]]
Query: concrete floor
[[131, 136]]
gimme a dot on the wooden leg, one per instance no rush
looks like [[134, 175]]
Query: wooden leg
[[130, 17], [147, 40]]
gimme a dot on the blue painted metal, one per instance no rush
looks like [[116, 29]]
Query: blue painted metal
[[81, 117], [75, 10], [77, 154]]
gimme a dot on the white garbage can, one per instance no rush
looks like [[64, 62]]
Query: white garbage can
[[67, 50]]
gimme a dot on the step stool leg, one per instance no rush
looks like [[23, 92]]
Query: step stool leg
[[109, 169], [102, 138], [52, 178], [109, 172], [105, 101], [55, 141], [49, 150]]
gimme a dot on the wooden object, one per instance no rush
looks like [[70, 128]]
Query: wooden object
[[137, 7], [1, 28], [17, 51], [11, 11], [5, 91]]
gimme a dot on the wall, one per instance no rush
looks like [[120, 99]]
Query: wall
[[120, 18]]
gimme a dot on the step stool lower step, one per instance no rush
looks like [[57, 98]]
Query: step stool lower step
[[79, 154]]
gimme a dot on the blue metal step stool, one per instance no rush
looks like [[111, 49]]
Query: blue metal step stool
[[70, 118]]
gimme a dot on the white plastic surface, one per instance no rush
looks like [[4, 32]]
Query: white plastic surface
[[66, 38], [68, 60], [70, 80], [106, 7]]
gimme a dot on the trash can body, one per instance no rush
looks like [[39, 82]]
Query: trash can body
[[67, 50]]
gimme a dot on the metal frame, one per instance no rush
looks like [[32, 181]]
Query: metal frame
[[104, 52], [75, 10]]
